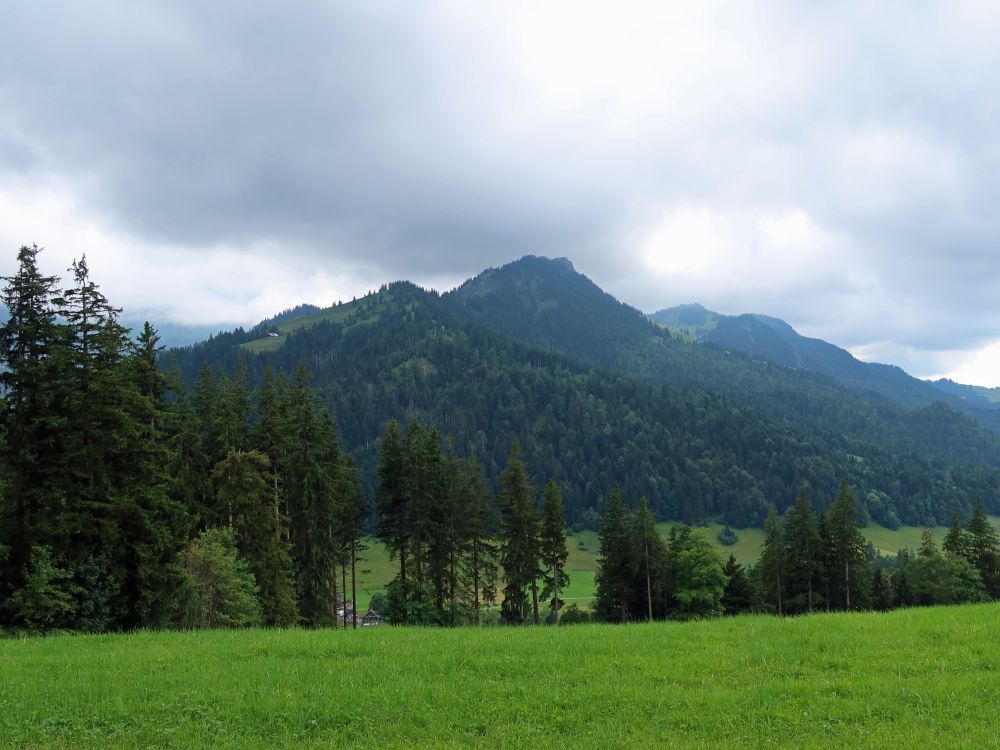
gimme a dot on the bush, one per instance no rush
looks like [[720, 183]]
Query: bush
[[727, 537], [410, 603], [44, 602], [573, 615], [218, 590]]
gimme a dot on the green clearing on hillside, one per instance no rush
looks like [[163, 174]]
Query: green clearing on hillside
[[366, 311], [908, 678]]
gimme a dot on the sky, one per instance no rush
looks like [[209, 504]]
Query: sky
[[836, 165]]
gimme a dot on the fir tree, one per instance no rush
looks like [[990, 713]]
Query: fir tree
[[803, 562], [849, 573], [738, 596], [480, 554], [614, 577], [244, 487], [771, 570], [553, 547], [983, 549], [519, 540], [392, 496], [648, 554]]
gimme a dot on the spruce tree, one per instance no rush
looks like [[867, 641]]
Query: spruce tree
[[553, 547], [648, 555], [33, 350], [803, 555], [738, 596], [956, 540], [983, 549], [351, 511], [771, 570], [519, 539], [614, 592], [480, 553], [244, 487], [392, 496], [311, 486], [849, 573]]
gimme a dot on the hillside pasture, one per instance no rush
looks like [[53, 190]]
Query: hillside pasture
[[907, 678]]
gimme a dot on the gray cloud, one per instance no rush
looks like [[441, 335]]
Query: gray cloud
[[836, 165]]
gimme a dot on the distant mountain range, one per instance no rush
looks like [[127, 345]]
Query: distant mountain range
[[774, 340], [709, 416]]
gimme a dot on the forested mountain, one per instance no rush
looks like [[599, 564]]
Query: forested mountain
[[598, 395], [772, 339]]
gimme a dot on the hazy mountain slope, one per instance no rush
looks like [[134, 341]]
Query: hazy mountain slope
[[975, 395], [772, 339]]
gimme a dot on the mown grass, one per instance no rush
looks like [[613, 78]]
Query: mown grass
[[908, 678]]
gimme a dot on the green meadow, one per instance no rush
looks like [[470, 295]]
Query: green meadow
[[583, 548], [909, 678]]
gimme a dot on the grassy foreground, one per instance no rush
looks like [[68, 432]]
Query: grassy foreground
[[909, 678]]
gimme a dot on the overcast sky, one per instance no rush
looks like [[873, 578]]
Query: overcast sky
[[833, 164]]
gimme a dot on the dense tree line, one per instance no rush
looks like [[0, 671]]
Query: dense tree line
[[809, 562], [451, 536], [130, 501], [138, 497]]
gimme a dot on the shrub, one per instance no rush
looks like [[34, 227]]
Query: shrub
[[218, 590], [727, 537]]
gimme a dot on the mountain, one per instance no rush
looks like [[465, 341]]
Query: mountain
[[600, 395], [975, 395], [776, 341]]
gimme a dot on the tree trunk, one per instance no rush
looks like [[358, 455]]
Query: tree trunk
[[475, 580], [780, 610], [343, 574], [649, 586], [847, 582], [534, 599], [354, 580]]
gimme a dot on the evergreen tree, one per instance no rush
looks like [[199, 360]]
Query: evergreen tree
[[738, 596], [351, 511], [983, 549], [553, 547], [32, 353], [244, 487], [480, 554], [392, 496], [614, 566], [849, 573], [311, 486], [771, 570], [648, 555], [520, 546], [956, 540], [155, 524], [803, 561]]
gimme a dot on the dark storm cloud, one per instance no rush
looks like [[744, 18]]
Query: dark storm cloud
[[432, 140], [340, 129]]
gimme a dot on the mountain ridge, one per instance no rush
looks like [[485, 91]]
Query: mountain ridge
[[599, 395]]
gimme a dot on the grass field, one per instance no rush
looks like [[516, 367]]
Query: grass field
[[915, 678]]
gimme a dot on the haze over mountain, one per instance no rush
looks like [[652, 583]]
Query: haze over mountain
[[774, 340], [600, 394]]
